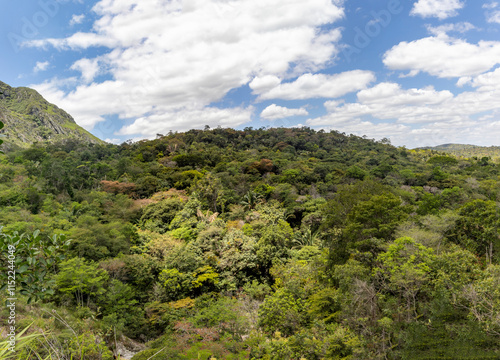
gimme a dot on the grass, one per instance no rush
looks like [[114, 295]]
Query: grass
[[22, 342]]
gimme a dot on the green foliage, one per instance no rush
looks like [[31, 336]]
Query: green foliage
[[404, 269], [282, 313], [442, 160], [468, 151], [477, 229], [321, 342], [87, 347], [30, 118], [80, 281], [354, 172], [119, 299], [28, 260], [176, 284], [441, 340], [22, 343], [95, 240], [224, 315], [376, 217], [158, 216], [483, 300], [367, 224], [274, 243], [259, 243]]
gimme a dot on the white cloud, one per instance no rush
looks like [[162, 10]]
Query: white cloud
[[443, 56], [491, 5], [273, 112], [441, 9], [373, 130], [464, 80], [461, 27], [418, 117], [76, 19], [41, 66], [487, 82], [171, 56], [310, 86], [388, 101], [492, 15], [88, 67], [176, 121], [264, 83], [392, 94]]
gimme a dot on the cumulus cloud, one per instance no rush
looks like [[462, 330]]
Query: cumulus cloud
[[273, 112], [310, 86], [441, 9], [88, 67], [492, 13], [264, 84], [170, 56], [41, 66], [491, 5], [418, 117], [493, 17], [461, 27], [443, 56], [487, 82], [389, 101], [76, 19], [176, 121]]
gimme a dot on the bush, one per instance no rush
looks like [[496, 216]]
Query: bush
[[282, 313]]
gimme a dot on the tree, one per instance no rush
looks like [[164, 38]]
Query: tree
[[405, 269], [355, 172], [281, 312], [250, 200], [157, 217], [30, 258], [81, 280], [477, 229], [483, 300], [368, 224]]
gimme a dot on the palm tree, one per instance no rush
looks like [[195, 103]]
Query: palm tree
[[307, 238], [208, 218], [251, 199]]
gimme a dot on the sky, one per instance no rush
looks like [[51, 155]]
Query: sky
[[418, 72]]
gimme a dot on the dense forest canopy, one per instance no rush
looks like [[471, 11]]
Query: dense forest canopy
[[253, 244]]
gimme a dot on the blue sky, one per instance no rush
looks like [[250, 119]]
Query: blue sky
[[419, 72]]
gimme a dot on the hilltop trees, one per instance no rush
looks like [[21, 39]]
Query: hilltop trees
[[261, 244]]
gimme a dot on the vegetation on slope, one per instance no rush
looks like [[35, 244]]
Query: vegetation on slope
[[29, 118], [469, 151], [257, 244]]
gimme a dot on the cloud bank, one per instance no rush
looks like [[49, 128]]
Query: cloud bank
[[169, 61]]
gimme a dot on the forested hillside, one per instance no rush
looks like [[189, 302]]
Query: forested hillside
[[253, 244], [30, 118], [469, 151]]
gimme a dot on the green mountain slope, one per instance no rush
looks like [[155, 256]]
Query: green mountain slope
[[252, 244], [29, 118], [468, 151]]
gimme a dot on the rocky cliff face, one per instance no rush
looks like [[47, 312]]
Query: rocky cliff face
[[29, 118]]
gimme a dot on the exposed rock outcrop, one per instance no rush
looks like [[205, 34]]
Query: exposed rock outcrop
[[29, 118]]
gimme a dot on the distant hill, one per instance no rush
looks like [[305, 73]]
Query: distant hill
[[467, 151], [29, 118]]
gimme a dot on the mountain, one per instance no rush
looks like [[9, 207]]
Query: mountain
[[467, 151], [29, 118]]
